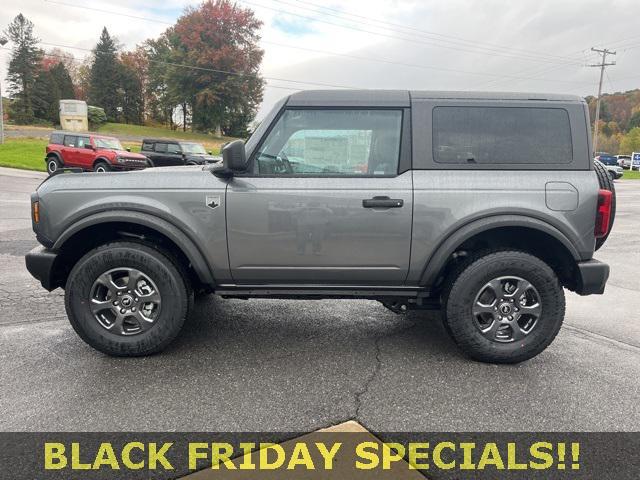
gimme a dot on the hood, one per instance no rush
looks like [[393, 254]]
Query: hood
[[203, 158], [124, 153]]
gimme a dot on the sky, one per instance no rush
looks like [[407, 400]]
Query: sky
[[492, 45]]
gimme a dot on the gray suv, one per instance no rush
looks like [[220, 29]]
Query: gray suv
[[485, 206]]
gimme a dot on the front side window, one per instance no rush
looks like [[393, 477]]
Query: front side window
[[161, 147], [193, 148], [332, 143], [108, 143], [83, 142], [173, 148], [501, 136]]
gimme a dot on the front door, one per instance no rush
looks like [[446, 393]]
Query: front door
[[324, 203]]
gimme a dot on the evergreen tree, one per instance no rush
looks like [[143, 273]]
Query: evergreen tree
[[104, 77], [62, 78], [46, 97], [23, 68]]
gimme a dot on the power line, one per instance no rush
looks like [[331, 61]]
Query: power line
[[497, 77], [427, 32], [380, 34], [602, 65]]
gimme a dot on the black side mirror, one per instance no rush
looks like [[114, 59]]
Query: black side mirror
[[234, 157], [128, 149], [88, 146], [210, 152]]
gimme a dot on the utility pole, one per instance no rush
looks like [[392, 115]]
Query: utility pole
[[604, 52], [3, 42]]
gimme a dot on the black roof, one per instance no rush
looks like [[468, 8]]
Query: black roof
[[402, 98]]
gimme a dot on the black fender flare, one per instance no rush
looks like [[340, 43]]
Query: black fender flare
[[57, 155], [443, 252], [100, 159], [173, 233]]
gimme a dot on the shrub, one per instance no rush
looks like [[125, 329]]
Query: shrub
[[96, 116]]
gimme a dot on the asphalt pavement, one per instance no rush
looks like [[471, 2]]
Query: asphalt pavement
[[272, 365]]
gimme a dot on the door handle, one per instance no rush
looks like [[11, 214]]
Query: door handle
[[382, 202]]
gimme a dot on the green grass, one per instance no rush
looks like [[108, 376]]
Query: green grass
[[628, 175], [24, 153], [210, 142]]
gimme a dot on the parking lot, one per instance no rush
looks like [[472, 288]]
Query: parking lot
[[263, 365]]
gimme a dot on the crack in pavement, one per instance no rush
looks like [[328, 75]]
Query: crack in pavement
[[376, 370]]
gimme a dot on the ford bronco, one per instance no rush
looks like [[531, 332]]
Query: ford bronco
[[483, 205]]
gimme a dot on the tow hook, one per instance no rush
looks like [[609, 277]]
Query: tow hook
[[396, 306]]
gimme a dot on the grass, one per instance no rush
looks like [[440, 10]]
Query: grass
[[24, 153], [210, 142], [629, 175]]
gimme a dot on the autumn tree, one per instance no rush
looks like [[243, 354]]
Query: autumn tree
[[222, 86], [23, 68]]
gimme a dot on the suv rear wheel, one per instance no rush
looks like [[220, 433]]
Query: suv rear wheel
[[504, 307], [127, 299], [53, 164]]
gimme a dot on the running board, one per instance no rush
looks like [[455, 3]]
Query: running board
[[319, 291]]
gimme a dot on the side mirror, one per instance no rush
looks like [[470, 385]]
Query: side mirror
[[210, 152], [234, 157], [128, 149], [88, 146]]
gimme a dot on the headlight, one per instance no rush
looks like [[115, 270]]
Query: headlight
[[121, 159]]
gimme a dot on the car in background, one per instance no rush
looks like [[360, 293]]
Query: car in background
[[165, 153], [614, 171], [624, 161], [90, 152], [607, 158]]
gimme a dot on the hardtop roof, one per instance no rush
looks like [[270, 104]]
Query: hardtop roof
[[402, 98]]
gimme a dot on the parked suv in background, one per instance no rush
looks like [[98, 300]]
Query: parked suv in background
[[610, 162], [624, 161], [483, 205], [90, 152], [164, 153]]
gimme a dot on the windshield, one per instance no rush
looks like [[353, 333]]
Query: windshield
[[195, 148], [110, 143]]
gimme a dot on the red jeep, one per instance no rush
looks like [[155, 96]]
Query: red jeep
[[90, 152]]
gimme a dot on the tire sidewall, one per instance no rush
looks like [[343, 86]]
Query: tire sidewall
[[171, 286], [463, 293], [102, 167], [51, 161]]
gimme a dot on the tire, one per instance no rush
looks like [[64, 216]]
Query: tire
[[606, 183], [129, 336], [102, 167], [53, 164], [472, 283], [612, 175]]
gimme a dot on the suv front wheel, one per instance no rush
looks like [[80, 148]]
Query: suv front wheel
[[504, 307], [127, 299]]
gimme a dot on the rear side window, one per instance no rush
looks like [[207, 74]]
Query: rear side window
[[56, 138], [501, 135], [147, 146], [70, 141]]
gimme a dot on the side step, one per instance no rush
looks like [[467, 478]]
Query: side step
[[319, 291]]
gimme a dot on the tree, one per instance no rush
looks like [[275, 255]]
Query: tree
[[220, 39], [23, 68], [62, 78], [161, 99], [104, 76], [631, 141], [634, 121]]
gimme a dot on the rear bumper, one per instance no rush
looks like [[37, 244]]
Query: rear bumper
[[40, 263], [592, 277]]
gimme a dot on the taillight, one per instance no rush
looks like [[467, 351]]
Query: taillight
[[603, 214]]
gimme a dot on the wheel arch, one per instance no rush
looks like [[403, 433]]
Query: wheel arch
[[514, 231], [56, 155], [103, 227], [100, 159]]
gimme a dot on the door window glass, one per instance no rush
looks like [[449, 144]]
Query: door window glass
[[70, 141], [173, 148], [83, 142], [332, 143], [161, 147]]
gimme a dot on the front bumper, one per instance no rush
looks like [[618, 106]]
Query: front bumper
[[592, 277], [41, 264]]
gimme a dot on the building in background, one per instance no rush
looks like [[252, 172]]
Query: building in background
[[73, 115]]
